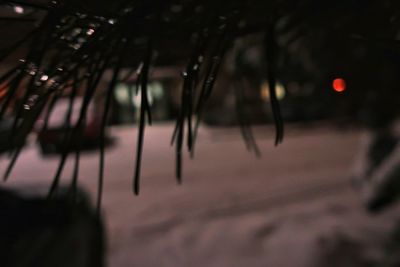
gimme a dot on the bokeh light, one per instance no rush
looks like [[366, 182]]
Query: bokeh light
[[339, 85]]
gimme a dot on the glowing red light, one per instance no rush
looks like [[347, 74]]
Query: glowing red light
[[339, 85]]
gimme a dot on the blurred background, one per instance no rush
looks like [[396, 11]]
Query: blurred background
[[325, 197]]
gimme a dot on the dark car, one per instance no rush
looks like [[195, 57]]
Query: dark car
[[53, 138]]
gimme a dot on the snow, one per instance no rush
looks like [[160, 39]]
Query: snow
[[293, 207]]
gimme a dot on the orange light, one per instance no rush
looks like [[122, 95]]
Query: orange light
[[339, 85]]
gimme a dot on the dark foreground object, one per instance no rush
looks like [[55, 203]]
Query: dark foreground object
[[57, 232], [52, 141]]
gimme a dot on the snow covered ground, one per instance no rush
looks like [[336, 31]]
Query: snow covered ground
[[292, 207]]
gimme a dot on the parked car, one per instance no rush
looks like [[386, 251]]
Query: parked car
[[53, 138]]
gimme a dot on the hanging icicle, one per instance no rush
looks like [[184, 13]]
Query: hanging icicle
[[70, 48]]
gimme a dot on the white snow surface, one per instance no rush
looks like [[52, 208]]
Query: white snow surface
[[292, 207]]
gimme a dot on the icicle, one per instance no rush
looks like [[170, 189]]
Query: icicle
[[92, 83], [144, 109], [107, 105], [270, 52]]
